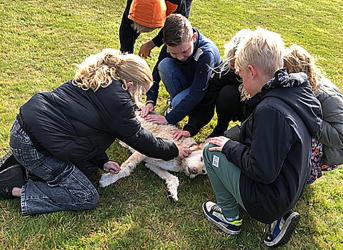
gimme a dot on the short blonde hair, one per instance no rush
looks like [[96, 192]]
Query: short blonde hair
[[263, 49], [230, 48], [297, 59], [99, 70]]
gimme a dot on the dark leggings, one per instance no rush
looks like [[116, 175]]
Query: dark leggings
[[222, 95], [228, 107]]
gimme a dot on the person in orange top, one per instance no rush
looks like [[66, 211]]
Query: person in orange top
[[144, 16]]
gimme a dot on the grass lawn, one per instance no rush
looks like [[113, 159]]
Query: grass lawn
[[40, 43]]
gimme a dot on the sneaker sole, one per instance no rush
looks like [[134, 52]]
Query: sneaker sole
[[7, 160], [285, 236], [221, 227], [9, 178]]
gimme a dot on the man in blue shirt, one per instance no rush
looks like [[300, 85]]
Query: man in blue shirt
[[185, 65]]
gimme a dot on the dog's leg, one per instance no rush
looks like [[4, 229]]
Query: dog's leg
[[171, 180], [126, 168]]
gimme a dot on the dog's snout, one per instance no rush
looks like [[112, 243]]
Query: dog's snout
[[193, 170]]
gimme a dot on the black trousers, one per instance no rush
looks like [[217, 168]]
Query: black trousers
[[223, 96]]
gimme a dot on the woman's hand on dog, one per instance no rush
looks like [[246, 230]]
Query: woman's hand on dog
[[181, 133], [219, 143], [112, 167], [184, 151]]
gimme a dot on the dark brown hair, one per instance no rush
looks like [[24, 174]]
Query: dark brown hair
[[177, 29]]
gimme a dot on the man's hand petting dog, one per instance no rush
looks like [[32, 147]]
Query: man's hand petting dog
[[158, 119], [219, 143], [184, 151], [181, 133], [112, 167]]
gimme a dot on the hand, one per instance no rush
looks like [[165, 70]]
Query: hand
[[219, 142], [181, 133], [148, 108], [158, 119], [184, 151], [112, 167], [146, 48]]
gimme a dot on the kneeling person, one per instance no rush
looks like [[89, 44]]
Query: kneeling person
[[264, 172], [185, 65]]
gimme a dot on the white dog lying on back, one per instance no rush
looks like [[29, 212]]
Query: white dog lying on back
[[192, 165]]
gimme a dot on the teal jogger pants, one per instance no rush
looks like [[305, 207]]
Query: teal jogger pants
[[224, 177]]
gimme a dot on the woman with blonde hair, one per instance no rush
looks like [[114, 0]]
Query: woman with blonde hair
[[61, 136], [327, 151]]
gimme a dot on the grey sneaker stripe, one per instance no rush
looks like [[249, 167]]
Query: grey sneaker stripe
[[14, 166]]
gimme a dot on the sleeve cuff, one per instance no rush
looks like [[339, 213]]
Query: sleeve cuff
[[229, 145]]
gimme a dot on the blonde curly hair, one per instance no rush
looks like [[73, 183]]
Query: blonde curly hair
[[297, 59], [99, 70]]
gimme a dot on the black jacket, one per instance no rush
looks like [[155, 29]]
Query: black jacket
[[78, 126], [274, 147], [128, 35]]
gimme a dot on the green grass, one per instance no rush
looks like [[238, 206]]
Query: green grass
[[40, 43]]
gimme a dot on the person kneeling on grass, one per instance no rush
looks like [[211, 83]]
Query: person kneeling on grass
[[327, 151], [61, 136], [264, 172]]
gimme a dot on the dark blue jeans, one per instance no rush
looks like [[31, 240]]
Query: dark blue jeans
[[175, 79], [64, 186]]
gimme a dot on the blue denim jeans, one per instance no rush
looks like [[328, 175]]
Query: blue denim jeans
[[64, 186], [176, 80]]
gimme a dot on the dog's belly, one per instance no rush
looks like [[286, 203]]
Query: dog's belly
[[172, 165]]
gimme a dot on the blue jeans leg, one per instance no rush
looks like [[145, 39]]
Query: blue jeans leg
[[64, 186], [179, 97], [172, 76]]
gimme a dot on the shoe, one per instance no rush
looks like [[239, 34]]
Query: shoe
[[280, 231], [11, 177], [214, 214], [7, 161]]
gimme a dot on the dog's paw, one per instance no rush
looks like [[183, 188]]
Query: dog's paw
[[172, 197], [172, 185], [107, 179]]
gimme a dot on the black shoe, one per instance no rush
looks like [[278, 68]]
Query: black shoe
[[11, 177], [7, 161], [280, 231]]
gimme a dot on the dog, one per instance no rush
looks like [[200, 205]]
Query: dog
[[192, 165]]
